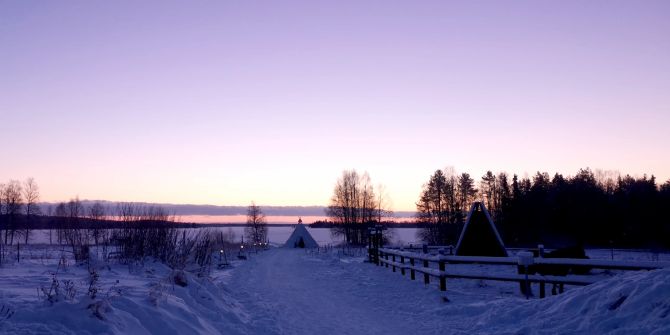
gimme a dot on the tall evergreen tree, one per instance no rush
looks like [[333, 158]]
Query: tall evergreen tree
[[466, 191], [437, 209], [489, 189]]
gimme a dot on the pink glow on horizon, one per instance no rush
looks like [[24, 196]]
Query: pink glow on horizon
[[270, 219]]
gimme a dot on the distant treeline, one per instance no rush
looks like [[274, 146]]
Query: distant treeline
[[56, 222], [597, 209]]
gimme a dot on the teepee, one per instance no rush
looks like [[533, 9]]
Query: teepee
[[479, 236], [300, 238]]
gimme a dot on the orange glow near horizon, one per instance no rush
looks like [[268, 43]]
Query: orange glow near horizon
[[270, 219]]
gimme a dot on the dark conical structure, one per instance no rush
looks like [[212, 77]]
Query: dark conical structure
[[479, 236]]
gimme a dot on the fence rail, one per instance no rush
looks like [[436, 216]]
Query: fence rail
[[407, 261], [594, 263], [570, 280]]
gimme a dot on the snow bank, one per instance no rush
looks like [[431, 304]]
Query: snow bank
[[631, 303], [131, 300]]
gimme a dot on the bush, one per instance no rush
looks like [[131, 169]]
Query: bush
[[179, 278]]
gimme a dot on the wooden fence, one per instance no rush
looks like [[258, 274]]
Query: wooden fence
[[416, 262]]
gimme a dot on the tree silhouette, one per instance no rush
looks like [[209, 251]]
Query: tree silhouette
[[256, 229], [597, 209], [438, 209], [353, 207]]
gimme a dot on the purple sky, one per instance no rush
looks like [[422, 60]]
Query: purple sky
[[226, 102]]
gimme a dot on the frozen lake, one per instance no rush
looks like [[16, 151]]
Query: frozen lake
[[276, 235], [399, 237]]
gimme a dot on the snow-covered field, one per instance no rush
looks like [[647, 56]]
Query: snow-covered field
[[288, 291]]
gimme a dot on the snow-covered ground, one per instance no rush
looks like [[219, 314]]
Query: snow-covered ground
[[288, 291]]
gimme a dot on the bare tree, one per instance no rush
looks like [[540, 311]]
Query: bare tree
[[353, 207], [384, 203], [149, 231], [61, 216], [2, 199], [3, 223], [50, 214], [126, 211], [606, 180], [13, 202], [75, 236], [31, 195], [256, 229], [97, 214]]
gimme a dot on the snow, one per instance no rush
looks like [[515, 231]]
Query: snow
[[632, 303], [290, 291]]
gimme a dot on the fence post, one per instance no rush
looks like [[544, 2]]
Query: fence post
[[524, 261], [540, 251], [411, 271], [380, 254], [370, 250], [443, 279], [393, 259], [402, 268], [426, 277]]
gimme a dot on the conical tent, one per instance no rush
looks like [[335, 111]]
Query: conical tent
[[300, 238], [479, 236]]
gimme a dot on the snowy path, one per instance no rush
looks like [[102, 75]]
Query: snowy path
[[290, 292]]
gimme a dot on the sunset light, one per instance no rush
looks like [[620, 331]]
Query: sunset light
[[295, 167]]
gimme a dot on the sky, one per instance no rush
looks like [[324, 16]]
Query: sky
[[228, 102]]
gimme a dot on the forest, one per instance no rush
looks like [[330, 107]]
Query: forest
[[596, 209]]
